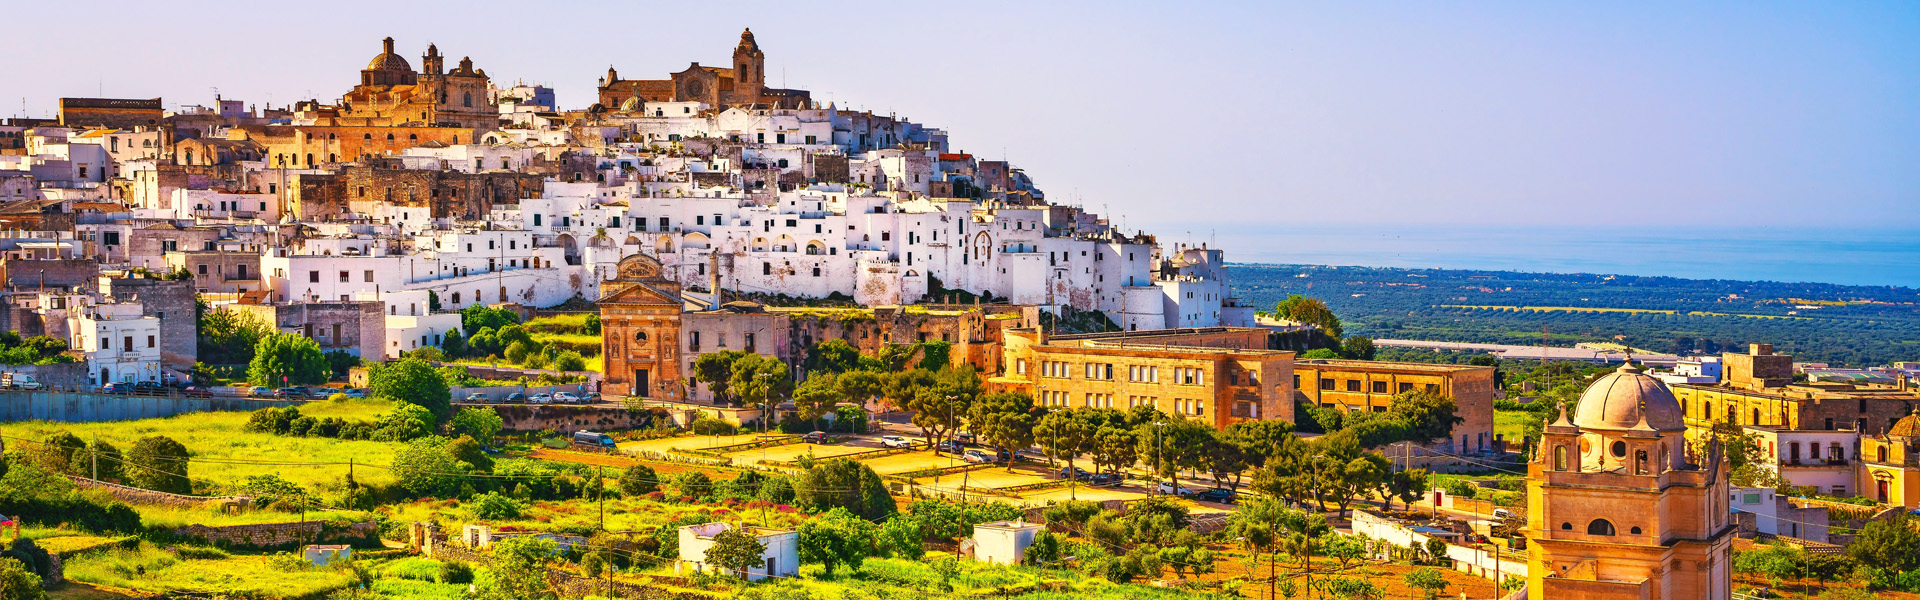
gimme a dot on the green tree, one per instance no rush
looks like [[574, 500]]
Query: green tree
[[229, 336], [1003, 419], [473, 318], [520, 569], [1171, 445], [17, 582], [1310, 311], [283, 359], [736, 551], [481, 422], [425, 468], [160, 464], [716, 370], [569, 361], [404, 422], [835, 539], [1114, 448], [1887, 544], [845, 483], [1357, 347], [639, 480], [413, 382], [100, 460], [1064, 434], [834, 356], [817, 396], [939, 400], [693, 484], [1428, 580], [1407, 485], [757, 380], [466, 450], [900, 537]]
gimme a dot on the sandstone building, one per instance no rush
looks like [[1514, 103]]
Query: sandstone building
[[391, 93], [1218, 376], [744, 84], [1365, 385], [1617, 509]]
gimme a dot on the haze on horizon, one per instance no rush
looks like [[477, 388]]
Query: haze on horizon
[[1511, 114]]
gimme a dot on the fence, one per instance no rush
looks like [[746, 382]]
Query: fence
[[90, 407]]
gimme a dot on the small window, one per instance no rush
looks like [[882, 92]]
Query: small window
[[1635, 530], [1566, 526], [1619, 449], [1600, 527]]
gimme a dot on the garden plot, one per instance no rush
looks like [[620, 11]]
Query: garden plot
[[985, 478], [908, 463], [792, 452], [689, 442]]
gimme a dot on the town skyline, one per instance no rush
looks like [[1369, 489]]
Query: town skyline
[[1714, 115]]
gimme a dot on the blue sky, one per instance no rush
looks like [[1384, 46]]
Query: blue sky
[[1749, 115]]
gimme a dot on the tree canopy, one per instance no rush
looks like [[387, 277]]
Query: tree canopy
[[283, 359]]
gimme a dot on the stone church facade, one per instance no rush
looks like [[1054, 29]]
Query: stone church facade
[[743, 84]]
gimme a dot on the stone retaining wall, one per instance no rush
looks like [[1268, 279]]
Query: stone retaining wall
[[274, 535], [134, 495]]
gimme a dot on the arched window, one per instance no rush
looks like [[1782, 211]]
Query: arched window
[[413, 137], [1559, 458], [1635, 530], [389, 137], [1600, 527], [639, 336], [1640, 462], [1566, 526], [466, 99], [456, 297], [1883, 454], [367, 136]]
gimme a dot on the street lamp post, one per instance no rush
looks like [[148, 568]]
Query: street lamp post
[[1157, 451]]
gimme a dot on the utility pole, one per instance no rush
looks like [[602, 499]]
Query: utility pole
[[94, 453], [600, 491]]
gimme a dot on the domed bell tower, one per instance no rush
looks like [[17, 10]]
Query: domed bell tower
[[1616, 509], [749, 69]]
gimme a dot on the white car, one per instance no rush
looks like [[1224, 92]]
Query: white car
[[566, 398], [1168, 488], [540, 399], [894, 441]]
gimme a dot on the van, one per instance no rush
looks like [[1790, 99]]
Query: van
[[596, 441], [18, 381]]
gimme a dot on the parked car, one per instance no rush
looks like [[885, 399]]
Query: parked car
[[1075, 473], [478, 397], [1502, 514], [516, 398], [1221, 495], [259, 392], [1106, 479], [541, 399], [964, 436], [194, 391], [114, 387], [981, 455], [152, 388], [566, 398], [354, 392], [590, 397], [950, 446], [894, 441], [1168, 488], [292, 392], [817, 437]]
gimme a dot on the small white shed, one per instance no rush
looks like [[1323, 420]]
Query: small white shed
[[1003, 542], [781, 558]]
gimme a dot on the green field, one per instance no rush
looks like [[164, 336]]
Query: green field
[[214, 438], [207, 571]]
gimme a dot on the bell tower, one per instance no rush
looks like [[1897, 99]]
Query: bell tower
[[749, 70], [1616, 507]]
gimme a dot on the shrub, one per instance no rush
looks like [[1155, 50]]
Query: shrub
[[693, 484], [639, 480], [162, 465], [570, 361], [711, 426], [493, 506], [455, 572]]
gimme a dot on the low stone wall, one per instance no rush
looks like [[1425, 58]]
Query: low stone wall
[[74, 407], [564, 419], [134, 495], [570, 585], [276, 535]]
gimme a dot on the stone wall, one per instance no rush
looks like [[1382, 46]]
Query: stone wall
[[279, 535], [75, 407], [29, 273], [569, 418], [134, 495], [570, 585], [66, 375]]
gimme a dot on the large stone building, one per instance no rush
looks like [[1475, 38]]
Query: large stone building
[[391, 93], [1618, 509], [640, 332], [1218, 376], [377, 193], [744, 84], [1753, 391], [1890, 463], [1365, 385], [118, 113]]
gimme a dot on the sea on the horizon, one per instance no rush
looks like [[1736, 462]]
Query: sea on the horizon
[[1843, 256]]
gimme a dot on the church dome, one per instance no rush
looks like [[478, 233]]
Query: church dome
[[387, 60], [1908, 426], [1618, 400]]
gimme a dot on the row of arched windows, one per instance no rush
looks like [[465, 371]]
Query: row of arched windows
[[1599, 527]]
